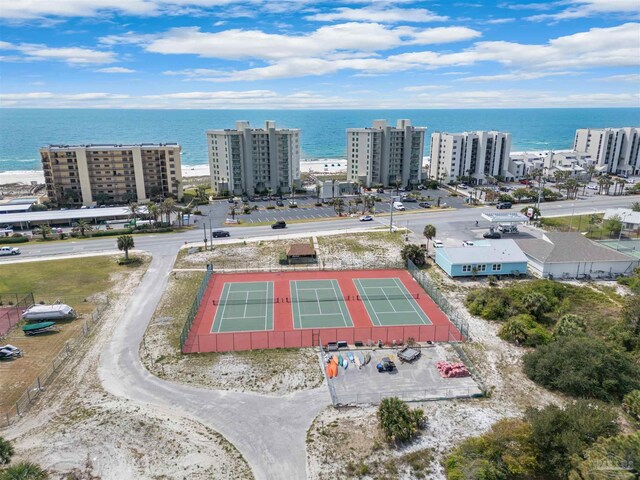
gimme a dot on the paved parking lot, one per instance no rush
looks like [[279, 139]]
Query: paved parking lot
[[419, 380]]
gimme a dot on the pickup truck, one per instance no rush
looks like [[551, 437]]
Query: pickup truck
[[9, 251]]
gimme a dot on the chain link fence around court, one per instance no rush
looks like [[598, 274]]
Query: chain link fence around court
[[194, 306], [350, 262], [431, 288], [11, 307], [44, 379]]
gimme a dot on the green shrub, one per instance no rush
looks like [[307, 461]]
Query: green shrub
[[293, 205], [631, 403], [398, 422], [111, 233], [270, 207], [10, 240], [614, 458], [583, 367]]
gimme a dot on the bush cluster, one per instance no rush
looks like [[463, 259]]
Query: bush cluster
[[10, 240]]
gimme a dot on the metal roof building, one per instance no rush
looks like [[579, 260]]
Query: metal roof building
[[496, 257], [61, 217]]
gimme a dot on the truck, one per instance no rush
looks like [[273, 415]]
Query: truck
[[9, 251], [57, 311], [136, 222]]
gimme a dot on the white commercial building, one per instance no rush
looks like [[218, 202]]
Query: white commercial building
[[630, 219], [254, 160], [576, 164], [614, 150], [470, 156], [385, 155]]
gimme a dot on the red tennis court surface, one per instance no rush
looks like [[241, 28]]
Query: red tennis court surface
[[203, 337]]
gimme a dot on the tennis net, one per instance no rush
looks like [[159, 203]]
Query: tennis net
[[348, 298]]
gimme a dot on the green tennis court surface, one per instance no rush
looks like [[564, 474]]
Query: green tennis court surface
[[318, 304], [630, 247], [388, 302], [244, 306]]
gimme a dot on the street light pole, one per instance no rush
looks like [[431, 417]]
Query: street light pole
[[204, 229], [211, 233], [573, 208], [391, 217]]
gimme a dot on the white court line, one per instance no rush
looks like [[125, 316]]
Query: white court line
[[223, 307], [242, 318], [315, 289], [246, 302], [413, 306], [369, 310], [340, 300], [385, 296], [318, 300], [266, 306]]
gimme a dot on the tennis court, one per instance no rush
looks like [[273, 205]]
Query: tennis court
[[630, 247], [244, 306], [388, 302], [318, 304]]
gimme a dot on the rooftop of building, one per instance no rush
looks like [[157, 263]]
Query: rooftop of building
[[562, 247], [626, 215], [112, 146], [495, 251]]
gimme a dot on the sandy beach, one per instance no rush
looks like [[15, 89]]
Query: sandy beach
[[318, 166]]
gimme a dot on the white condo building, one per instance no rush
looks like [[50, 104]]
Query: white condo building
[[253, 160], [472, 156], [614, 150], [385, 155]]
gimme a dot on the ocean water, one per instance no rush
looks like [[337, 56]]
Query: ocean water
[[24, 131]]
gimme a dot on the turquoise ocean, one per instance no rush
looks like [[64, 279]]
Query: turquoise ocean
[[24, 131]]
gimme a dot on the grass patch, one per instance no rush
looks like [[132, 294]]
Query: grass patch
[[51, 279], [590, 223]]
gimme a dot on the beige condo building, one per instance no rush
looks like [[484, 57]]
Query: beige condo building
[[99, 174], [614, 150]]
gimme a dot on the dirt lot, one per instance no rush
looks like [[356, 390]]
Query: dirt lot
[[75, 426], [264, 371]]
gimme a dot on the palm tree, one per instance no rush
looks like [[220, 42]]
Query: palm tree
[[24, 471], [83, 225], [133, 209], [535, 302], [572, 187], [201, 192], [338, 206], [44, 231], [591, 169], [429, 232], [153, 210], [125, 243], [168, 207]]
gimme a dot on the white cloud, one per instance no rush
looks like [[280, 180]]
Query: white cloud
[[115, 70], [269, 99], [71, 55], [422, 88], [375, 13], [629, 77], [590, 8], [515, 76], [499, 21]]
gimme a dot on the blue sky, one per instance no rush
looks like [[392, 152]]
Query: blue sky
[[309, 54]]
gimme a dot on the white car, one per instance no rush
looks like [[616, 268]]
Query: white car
[[467, 243], [398, 206], [9, 251], [366, 218], [437, 244], [592, 187]]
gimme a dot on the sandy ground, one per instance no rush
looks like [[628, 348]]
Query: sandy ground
[[449, 422], [77, 426]]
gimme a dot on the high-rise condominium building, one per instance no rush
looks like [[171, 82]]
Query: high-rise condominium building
[[254, 160], [385, 155], [469, 156], [90, 174], [614, 150]]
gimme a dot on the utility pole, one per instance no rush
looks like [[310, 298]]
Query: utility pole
[[211, 233], [391, 217], [204, 229]]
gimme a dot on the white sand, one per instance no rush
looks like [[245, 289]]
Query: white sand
[[317, 166]]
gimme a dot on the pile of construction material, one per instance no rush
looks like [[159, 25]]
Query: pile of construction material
[[452, 370]]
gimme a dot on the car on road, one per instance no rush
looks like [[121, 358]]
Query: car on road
[[220, 233], [438, 244], [464, 186], [279, 203], [467, 243], [424, 205], [279, 224], [592, 187], [9, 251], [366, 218], [503, 205], [491, 234]]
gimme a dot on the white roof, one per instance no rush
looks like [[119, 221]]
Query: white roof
[[626, 215], [60, 215], [510, 217], [503, 251], [60, 307], [14, 207]]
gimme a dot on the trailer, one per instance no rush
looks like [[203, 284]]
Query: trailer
[[38, 328], [58, 311], [408, 354]]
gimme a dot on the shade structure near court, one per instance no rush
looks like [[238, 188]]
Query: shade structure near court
[[301, 309]]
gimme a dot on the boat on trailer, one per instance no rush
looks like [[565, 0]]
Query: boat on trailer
[[38, 328]]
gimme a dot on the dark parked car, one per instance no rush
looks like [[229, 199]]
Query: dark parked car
[[385, 365], [279, 224], [219, 233], [279, 203], [230, 200], [492, 234], [425, 204], [503, 205], [409, 199]]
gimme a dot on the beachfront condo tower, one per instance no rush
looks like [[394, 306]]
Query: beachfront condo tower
[[254, 160], [110, 174], [469, 157], [384, 155], [614, 150]]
